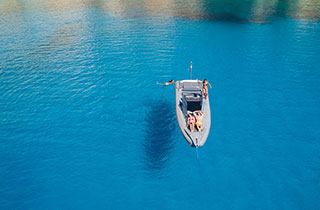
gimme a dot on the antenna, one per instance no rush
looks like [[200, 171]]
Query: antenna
[[190, 70]]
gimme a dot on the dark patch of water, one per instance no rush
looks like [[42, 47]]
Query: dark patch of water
[[159, 142]]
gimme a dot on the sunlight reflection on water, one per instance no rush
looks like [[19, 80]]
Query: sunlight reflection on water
[[258, 11]]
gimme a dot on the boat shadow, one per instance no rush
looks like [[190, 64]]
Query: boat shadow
[[159, 142]]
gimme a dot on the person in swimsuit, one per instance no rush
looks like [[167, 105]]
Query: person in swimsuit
[[199, 116], [168, 83], [190, 123], [205, 88]]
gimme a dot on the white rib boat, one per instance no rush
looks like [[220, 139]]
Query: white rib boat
[[189, 98]]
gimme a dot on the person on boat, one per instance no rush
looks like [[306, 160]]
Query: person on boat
[[191, 122], [199, 116], [169, 82], [205, 88]]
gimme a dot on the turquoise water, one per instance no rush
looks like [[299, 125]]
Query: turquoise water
[[84, 125]]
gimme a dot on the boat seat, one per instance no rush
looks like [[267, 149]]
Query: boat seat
[[191, 86], [192, 98], [191, 94]]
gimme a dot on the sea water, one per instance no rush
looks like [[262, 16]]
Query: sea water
[[85, 125]]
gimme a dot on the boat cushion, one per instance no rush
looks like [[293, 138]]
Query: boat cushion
[[191, 86]]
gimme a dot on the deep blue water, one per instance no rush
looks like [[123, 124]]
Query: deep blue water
[[84, 125]]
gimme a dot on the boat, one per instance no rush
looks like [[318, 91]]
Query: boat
[[189, 98]]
